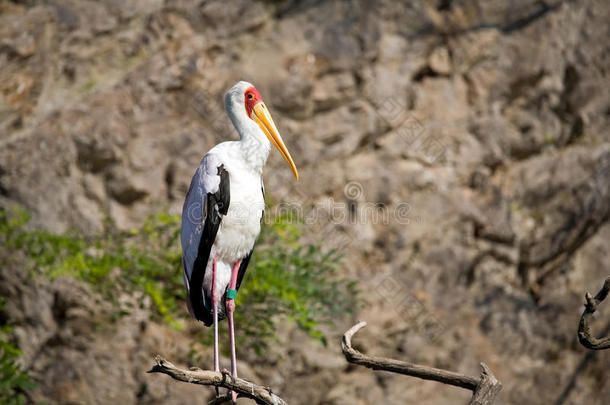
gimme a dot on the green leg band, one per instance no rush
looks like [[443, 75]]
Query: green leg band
[[231, 294]]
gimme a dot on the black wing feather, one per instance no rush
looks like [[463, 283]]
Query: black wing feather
[[242, 268], [217, 204]]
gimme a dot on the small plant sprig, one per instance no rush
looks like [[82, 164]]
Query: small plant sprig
[[14, 382]]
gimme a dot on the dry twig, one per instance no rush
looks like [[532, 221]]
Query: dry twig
[[584, 329], [243, 388], [485, 388]]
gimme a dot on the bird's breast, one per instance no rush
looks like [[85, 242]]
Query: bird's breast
[[242, 223]]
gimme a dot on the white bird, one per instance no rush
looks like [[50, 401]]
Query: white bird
[[222, 212]]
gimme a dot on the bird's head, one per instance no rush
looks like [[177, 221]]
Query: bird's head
[[243, 101]]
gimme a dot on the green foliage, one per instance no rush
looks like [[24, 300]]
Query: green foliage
[[284, 280], [13, 381], [300, 283], [144, 260]]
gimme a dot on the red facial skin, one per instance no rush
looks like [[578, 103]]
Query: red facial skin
[[253, 97]]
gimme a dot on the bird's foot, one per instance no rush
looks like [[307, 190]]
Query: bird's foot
[[226, 372]]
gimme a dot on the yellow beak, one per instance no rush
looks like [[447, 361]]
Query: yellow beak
[[261, 115]]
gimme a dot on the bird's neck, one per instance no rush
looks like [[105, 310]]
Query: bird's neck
[[255, 149], [253, 144]]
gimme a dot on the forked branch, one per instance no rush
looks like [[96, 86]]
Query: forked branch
[[585, 336], [261, 395], [485, 388]]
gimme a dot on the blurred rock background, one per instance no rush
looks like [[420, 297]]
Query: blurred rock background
[[466, 142]]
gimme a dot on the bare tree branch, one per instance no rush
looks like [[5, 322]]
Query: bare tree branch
[[244, 388], [485, 388], [585, 336]]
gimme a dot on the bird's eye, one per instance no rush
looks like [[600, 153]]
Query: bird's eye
[[250, 96]]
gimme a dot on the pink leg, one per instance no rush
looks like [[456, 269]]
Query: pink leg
[[230, 304], [215, 300]]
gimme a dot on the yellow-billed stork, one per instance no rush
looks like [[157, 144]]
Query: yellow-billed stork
[[223, 210]]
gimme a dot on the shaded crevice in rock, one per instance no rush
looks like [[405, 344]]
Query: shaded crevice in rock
[[585, 208]]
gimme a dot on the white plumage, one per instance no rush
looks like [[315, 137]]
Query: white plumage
[[244, 161]]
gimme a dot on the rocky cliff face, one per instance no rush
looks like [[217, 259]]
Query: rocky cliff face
[[457, 151]]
